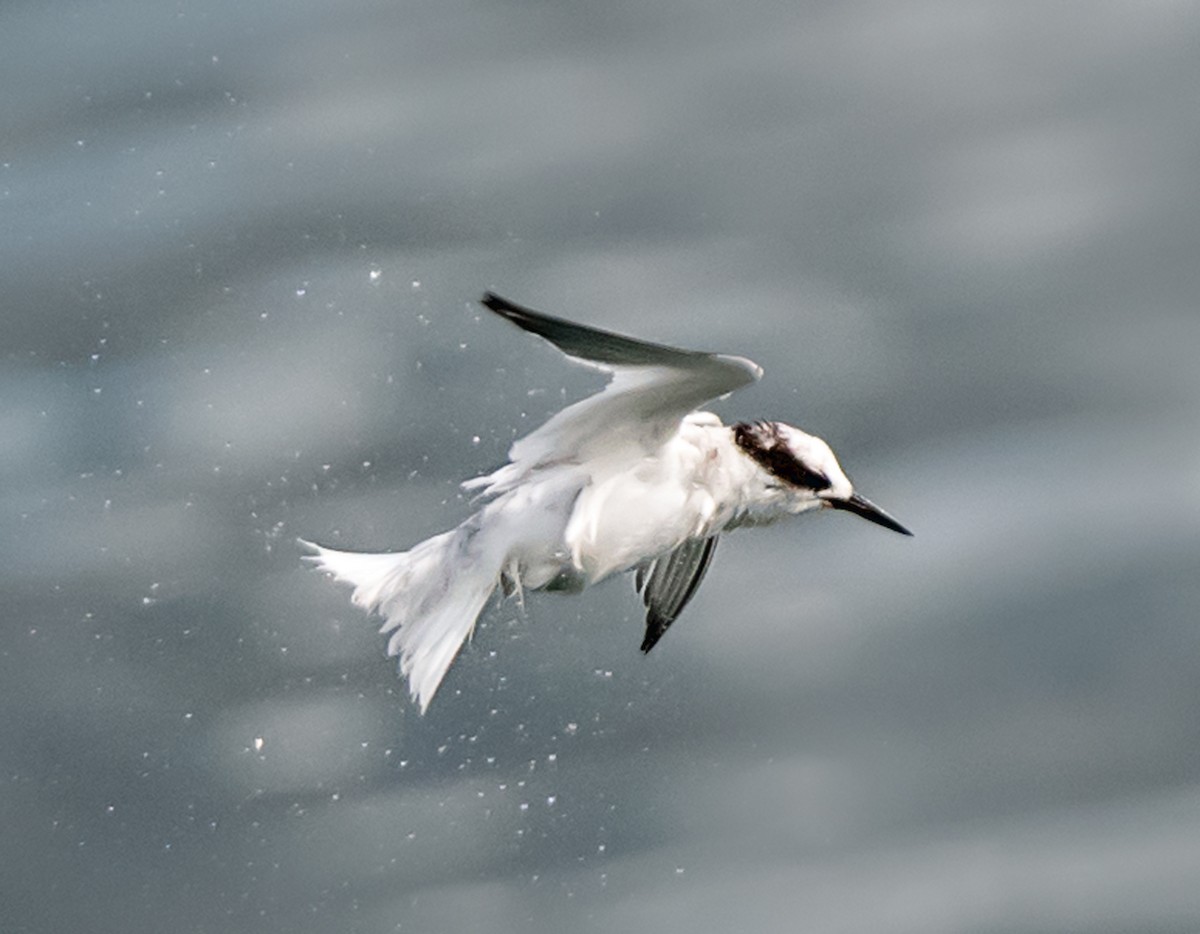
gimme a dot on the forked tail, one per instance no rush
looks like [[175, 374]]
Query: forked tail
[[429, 598]]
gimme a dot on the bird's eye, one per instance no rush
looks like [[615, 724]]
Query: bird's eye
[[765, 447], [812, 479]]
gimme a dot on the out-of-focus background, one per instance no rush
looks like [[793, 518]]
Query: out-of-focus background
[[240, 253]]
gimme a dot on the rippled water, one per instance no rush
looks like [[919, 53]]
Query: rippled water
[[240, 256]]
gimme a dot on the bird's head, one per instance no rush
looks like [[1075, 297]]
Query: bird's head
[[807, 469]]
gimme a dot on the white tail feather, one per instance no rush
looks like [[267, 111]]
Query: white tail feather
[[429, 598]]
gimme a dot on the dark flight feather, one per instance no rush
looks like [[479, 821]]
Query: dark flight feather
[[669, 582]]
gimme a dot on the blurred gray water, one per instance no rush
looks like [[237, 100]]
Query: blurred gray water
[[240, 252]]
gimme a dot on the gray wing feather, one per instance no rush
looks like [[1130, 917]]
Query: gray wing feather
[[668, 583], [588, 344], [652, 388]]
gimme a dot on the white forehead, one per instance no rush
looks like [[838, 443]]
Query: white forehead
[[816, 455]]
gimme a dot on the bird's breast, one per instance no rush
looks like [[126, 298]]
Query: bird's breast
[[639, 510], [622, 522]]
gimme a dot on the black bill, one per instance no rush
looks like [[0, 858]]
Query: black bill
[[861, 506]]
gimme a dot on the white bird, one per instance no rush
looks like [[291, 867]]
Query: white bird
[[630, 478]]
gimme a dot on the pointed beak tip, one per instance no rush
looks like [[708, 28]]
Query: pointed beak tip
[[865, 509], [895, 527]]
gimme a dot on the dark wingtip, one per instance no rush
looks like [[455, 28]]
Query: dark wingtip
[[537, 322], [494, 302], [586, 343], [518, 314], [655, 627]]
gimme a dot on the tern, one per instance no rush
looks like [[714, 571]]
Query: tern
[[632, 478]]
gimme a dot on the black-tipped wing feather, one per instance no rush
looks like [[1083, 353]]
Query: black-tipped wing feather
[[590, 344], [652, 387], [668, 583]]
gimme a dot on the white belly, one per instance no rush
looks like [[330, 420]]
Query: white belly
[[631, 516], [575, 524]]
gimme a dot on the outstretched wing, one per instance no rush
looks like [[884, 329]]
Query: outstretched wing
[[652, 387], [668, 583]]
